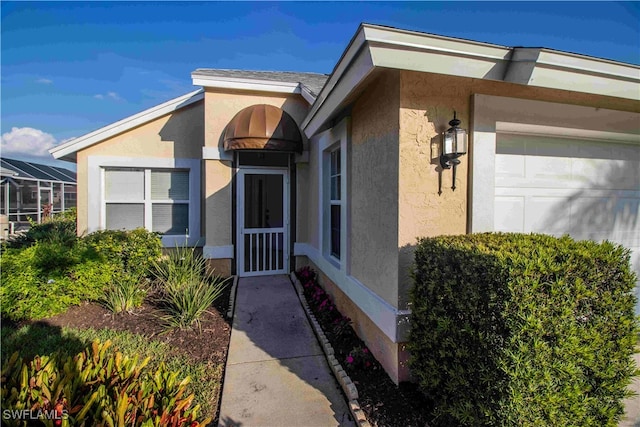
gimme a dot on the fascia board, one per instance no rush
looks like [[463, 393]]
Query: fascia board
[[67, 150], [361, 67], [559, 70], [244, 84], [434, 43], [390, 48], [306, 94], [400, 49], [590, 65]]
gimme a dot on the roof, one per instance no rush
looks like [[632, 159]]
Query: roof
[[313, 81], [308, 85], [36, 171], [68, 150], [377, 47]]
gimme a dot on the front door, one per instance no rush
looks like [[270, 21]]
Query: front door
[[263, 222]]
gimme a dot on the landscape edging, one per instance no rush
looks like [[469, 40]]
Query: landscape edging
[[348, 387], [232, 297]]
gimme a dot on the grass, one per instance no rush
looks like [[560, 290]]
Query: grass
[[39, 339]]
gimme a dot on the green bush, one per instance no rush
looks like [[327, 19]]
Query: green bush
[[522, 330], [134, 251], [60, 230], [98, 387], [188, 287], [44, 279]]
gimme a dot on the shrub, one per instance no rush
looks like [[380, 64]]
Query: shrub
[[45, 279], [99, 387], [27, 292], [525, 330], [124, 294], [134, 251], [91, 277], [188, 288], [60, 230]]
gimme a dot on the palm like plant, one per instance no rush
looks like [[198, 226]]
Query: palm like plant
[[188, 287]]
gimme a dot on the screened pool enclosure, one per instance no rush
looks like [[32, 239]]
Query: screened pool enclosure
[[33, 191]]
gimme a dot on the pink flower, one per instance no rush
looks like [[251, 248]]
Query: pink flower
[[349, 359], [365, 350]]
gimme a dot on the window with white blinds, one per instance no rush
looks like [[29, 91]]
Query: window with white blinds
[[157, 200]]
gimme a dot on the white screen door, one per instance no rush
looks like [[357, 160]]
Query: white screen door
[[263, 222]]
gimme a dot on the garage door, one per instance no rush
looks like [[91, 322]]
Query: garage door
[[588, 189]]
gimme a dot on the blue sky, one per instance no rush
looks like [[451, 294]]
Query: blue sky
[[71, 67]]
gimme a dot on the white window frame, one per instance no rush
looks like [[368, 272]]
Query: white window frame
[[335, 202], [331, 141], [96, 206], [147, 200]]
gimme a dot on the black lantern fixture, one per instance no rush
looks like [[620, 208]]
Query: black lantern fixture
[[454, 145]]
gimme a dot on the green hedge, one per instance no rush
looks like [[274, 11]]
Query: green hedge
[[522, 330], [46, 276]]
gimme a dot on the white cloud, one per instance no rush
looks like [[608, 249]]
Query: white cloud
[[44, 81], [28, 141], [110, 95]]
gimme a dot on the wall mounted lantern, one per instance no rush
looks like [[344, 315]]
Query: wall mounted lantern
[[454, 145]]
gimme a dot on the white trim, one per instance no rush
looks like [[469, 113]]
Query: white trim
[[494, 114], [555, 131], [216, 153], [96, 186], [218, 252], [240, 216], [392, 322], [336, 137], [244, 84], [257, 85], [381, 47], [67, 150]]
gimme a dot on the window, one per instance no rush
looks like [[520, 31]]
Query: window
[[157, 200], [335, 180]]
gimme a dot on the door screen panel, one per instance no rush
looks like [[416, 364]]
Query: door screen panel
[[263, 228]]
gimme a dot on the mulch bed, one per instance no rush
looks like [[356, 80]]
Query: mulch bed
[[210, 344], [384, 403]]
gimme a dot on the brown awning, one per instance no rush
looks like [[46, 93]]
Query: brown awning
[[262, 127]]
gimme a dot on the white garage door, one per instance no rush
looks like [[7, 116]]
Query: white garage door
[[588, 189]]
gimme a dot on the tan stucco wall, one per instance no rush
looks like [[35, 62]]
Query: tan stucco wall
[[427, 102], [220, 107], [176, 135], [373, 187]]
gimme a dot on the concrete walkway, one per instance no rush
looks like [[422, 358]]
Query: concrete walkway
[[276, 372]]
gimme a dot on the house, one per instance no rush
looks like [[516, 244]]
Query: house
[[269, 171], [32, 191]]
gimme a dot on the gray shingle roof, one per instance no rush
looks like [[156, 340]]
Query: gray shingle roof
[[313, 81]]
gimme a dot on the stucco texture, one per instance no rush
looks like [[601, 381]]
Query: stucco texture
[[427, 103], [220, 107], [176, 135], [373, 187]]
